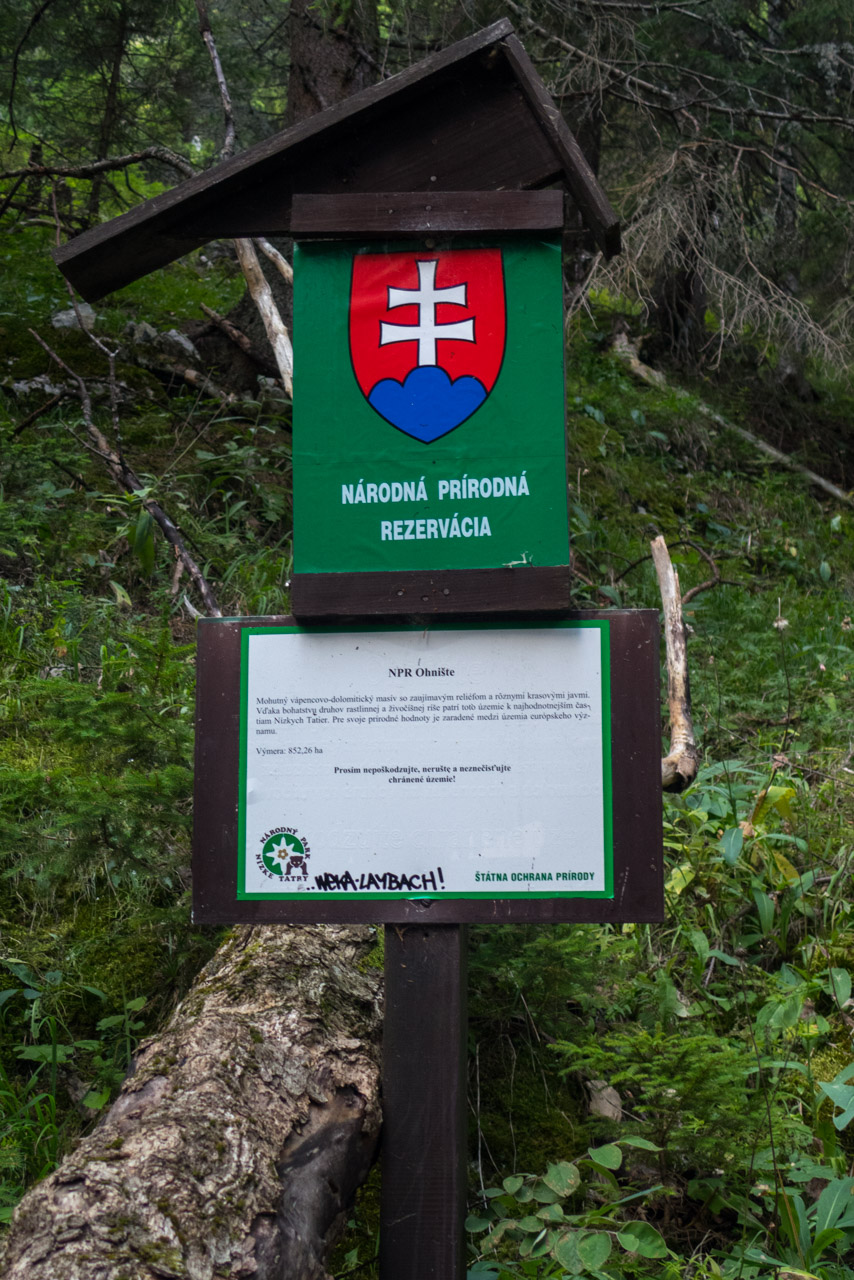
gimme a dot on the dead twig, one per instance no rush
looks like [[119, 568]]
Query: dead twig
[[10, 194], [627, 353], [108, 165], [710, 582], [200, 382], [679, 766], [278, 260], [122, 474], [239, 338], [126, 480], [36, 414], [588, 582]]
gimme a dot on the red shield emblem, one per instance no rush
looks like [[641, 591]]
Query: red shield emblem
[[427, 335]]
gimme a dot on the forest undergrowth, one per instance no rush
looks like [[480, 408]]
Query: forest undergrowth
[[647, 1100]]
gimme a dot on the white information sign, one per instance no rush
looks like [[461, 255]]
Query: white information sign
[[452, 762]]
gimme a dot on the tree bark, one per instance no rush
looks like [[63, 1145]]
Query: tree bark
[[333, 54], [111, 112], [242, 1133]]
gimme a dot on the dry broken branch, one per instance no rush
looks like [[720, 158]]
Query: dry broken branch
[[259, 289], [626, 350], [715, 579], [239, 338], [125, 478], [278, 260], [679, 767], [262, 296], [168, 366], [107, 165], [36, 414], [225, 97]]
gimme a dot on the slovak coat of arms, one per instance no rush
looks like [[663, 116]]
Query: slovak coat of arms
[[427, 335]]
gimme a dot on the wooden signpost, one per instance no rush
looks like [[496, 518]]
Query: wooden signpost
[[434, 738], [443, 771], [427, 777]]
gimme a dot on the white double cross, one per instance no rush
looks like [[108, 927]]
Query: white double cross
[[426, 330]]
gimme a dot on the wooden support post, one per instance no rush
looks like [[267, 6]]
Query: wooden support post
[[424, 1104]]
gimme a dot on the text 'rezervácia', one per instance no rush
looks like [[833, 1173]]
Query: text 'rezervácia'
[[456, 490]]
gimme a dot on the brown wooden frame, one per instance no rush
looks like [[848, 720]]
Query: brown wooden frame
[[529, 590], [636, 772]]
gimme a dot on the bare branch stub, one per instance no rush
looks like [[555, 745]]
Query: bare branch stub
[[281, 263], [679, 766], [262, 296], [240, 339]]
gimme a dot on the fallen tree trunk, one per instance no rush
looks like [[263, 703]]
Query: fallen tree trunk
[[242, 1133]]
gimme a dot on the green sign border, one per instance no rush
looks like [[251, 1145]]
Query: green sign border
[[340, 438], [316, 896]]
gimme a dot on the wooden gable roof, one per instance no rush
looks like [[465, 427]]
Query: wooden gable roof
[[476, 116]]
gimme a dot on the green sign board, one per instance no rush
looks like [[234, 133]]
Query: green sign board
[[429, 428]]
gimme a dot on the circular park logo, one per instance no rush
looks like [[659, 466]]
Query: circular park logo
[[283, 855]]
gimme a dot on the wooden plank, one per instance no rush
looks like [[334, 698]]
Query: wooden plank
[[217, 770], [460, 119], [636, 772], [341, 597], [580, 178], [414, 212], [473, 132], [424, 1145]]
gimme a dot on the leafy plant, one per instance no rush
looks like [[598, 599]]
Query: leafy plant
[[840, 1092], [693, 1094], [573, 1218], [805, 1235]]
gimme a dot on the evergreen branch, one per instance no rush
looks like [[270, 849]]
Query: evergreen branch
[[711, 90], [19, 47]]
